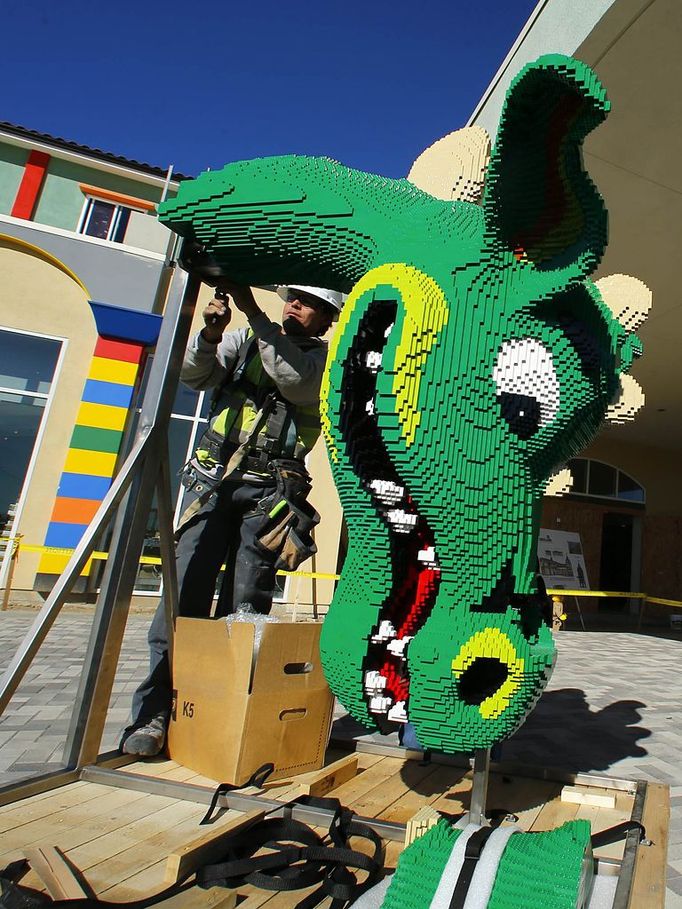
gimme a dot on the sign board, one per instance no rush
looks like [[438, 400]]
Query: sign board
[[562, 564]]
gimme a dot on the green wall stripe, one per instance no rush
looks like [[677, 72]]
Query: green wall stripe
[[93, 439]]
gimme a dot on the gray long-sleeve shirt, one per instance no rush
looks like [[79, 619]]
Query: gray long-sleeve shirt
[[294, 364]]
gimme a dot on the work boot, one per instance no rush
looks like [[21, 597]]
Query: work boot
[[147, 740]]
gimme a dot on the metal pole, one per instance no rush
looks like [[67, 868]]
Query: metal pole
[[479, 788], [53, 604], [97, 678], [167, 546]]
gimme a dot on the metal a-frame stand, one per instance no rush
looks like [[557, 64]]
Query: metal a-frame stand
[[144, 472]]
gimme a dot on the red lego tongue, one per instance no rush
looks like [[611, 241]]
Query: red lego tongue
[[410, 608]]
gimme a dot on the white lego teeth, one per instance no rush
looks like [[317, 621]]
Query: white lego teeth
[[375, 682], [379, 704], [397, 646], [401, 521], [397, 713], [373, 360], [386, 632], [369, 407], [387, 492], [427, 555]]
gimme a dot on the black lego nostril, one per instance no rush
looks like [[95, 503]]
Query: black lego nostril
[[482, 679]]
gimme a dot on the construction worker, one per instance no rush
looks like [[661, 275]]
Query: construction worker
[[247, 481]]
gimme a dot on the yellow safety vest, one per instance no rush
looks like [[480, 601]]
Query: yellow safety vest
[[290, 430]]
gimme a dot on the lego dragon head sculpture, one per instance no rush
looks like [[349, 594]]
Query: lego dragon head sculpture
[[472, 359]]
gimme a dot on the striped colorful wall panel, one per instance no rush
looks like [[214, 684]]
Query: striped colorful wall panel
[[96, 440]]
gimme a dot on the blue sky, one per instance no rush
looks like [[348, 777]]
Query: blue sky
[[199, 84]]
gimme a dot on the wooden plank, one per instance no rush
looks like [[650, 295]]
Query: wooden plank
[[76, 824], [108, 845], [649, 881], [59, 878], [366, 779], [15, 814], [554, 814], [208, 847], [196, 898], [321, 782], [376, 801], [140, 869], [426, 792], [520, 796], [456, 798], [606, 818], [589, 795]]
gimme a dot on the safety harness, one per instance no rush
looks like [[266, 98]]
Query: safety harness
[[246, 396], [272, 440]]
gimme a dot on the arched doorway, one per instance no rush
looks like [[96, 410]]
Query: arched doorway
[[605, 506]]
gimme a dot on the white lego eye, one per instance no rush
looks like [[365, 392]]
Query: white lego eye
[[527, 386]]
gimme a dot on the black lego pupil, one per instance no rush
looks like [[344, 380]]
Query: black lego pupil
[[521, 412]]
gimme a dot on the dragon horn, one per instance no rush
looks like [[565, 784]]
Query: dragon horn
[[453, 168], [628, 298]]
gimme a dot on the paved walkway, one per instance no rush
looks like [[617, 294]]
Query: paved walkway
[[613, 706]]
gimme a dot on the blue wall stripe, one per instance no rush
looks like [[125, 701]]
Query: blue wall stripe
[[98, 392], [64, 536], [83, 486]]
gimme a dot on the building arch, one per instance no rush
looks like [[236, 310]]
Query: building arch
[[41, 298], [596, 479]]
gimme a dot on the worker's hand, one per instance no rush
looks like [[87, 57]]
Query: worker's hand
[[242, 297], [217, 317]]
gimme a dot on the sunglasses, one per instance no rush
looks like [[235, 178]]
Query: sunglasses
[[304, 299]]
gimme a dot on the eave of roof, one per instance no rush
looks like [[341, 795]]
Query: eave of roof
[[96, 153]]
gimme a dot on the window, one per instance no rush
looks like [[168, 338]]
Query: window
[[598, 480], [106, 214], [104, 220], [27, 367]]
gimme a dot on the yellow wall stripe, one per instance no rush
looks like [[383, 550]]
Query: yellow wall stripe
[[101, 416], [105, 370], [95, 463]]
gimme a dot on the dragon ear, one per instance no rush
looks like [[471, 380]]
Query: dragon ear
[[453, 168], [539, 201]]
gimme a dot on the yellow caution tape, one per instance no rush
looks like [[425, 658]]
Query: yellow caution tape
[[559, 591], [616, 593], [155, 560], [555, 592]]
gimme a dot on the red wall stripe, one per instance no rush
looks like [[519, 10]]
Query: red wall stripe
[[127, 351], [29, 188]]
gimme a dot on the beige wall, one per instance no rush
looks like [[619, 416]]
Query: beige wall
[[36, 295]]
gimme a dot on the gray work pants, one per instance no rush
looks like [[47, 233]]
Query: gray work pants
[[224, 530]]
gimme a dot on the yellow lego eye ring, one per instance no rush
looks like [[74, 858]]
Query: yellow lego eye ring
[[488, 662]]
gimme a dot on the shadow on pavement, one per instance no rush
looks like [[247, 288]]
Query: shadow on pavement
[[562, 731]]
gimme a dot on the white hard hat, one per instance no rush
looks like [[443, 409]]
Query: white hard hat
[[333, 298]]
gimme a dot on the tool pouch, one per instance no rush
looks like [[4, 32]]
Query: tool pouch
[[292, 518]]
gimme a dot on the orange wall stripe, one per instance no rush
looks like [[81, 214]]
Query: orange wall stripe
[[117, 198], [74, 511]]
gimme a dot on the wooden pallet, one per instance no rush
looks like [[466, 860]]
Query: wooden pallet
[[121, 839]]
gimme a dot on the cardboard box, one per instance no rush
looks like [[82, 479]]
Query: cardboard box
[[230, 716]]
